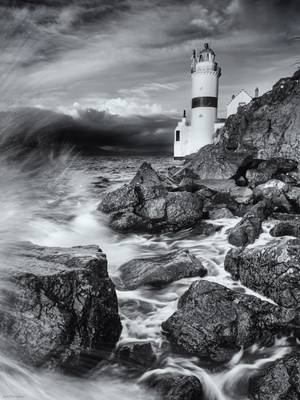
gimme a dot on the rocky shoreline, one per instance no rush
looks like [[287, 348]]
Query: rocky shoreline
[[63, 312]]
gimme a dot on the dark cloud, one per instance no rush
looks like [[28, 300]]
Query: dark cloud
[[58, 52], [91, 130], [278, 16]]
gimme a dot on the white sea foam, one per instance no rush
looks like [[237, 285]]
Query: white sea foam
[[58, 208]]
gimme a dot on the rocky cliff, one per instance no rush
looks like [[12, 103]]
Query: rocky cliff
[[266, 128], [269, 126]]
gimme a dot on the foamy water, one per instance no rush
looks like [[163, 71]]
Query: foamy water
[[56, 206]]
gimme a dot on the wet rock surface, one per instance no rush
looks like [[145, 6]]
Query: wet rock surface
[[272, 270], [160, 270], [269, 169], [214, 322], [250, 227], [145, 205], [176, 387], [219, 213], [64, 311], [269, 125], [286, 228], [136, 355], [279, 381], [215, 162], [220, 193]]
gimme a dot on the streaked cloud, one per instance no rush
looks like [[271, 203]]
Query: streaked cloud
[[131, 57]]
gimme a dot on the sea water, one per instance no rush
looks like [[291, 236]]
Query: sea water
[[54, 203]]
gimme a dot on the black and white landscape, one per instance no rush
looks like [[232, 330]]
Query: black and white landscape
[[126, 274]]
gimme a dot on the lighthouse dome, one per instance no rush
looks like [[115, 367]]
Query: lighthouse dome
[[207, 54], [207, 49]]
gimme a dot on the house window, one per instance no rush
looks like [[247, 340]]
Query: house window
[[177, 136]]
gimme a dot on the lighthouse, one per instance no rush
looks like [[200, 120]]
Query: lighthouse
[[205, 87], [189, 138]]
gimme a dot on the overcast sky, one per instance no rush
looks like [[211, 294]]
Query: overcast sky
[[132, 57]]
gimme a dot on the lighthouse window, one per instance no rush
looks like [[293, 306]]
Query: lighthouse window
[[177, 136]]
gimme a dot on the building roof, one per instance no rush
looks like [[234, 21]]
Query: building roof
[[241, 91]]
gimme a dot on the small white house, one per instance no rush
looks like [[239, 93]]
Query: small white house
[[241, 99]]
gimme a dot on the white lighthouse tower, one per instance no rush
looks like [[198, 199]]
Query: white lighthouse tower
[[205, 85]]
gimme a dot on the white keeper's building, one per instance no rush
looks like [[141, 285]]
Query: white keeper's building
[[190, 137]]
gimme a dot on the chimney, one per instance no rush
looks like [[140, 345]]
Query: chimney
[[256, 92]]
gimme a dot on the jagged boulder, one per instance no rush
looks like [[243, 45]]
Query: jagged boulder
[[275, 191], [63, 311], [269, 169], [160, 270], [137, 355], [214, 322], [272, 269], [219, 213], [279, 381], [286, 228], [224, 193], [268, 126], [176, 387], [293, 196], [270, 189], [250, 227], [177, 174], [242, 195], [286, 217], [146, 205], [215, 162]]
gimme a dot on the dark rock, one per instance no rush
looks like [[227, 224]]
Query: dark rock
[[177, 387], [101, 182], [293, 195], [250, 226], [180, 173], [136, 355], [64, 310], [272, 270], [242, 195], [215, 162], [275, 191], [269, 125], [291, 178], [214, 322], [241, 181], [220, 193], [206, 196], [219, 185], [270, 189], [270, 169], [183, 210], [219, 213], [206, 229], [120, 199], [279, 381], [188, 185], [146, 176], [124, 221], [291, 228], [146, 205], [285, 216], [160, 270]]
